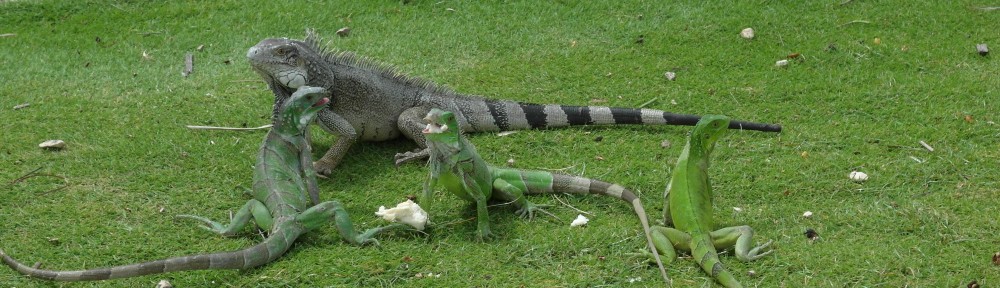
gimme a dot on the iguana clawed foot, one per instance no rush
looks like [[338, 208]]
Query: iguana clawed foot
[[528, 210], [212, 226], [408, 156], [755, 253], [368, 237]]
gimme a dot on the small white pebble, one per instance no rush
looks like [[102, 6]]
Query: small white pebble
[[510, 162], [579, 221], [344, 32], [737, 209], [53, 144], [781, 63], [751, 273], [747, 33], [858, 176], [807, 214], [636, 279], [164, 284], [670, 75]]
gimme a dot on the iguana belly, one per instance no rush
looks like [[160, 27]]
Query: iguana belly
[[453, 183]]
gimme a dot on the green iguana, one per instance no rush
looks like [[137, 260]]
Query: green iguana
[[455, 164], [373, 102], [688, 207], [279, 206]]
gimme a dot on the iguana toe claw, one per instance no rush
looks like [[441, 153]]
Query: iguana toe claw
[[408, 156], [322, 168]]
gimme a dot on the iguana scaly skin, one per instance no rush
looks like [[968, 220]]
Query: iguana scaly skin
[[455, 164], [279, 206], [374, 103], [688, 207]]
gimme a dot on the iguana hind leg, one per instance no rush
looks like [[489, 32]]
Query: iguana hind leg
[[321, 214], [509, 193], [253, 209], [740, 238]]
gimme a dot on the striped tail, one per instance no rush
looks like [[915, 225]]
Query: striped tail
[[508, 115], [579, 185], [260, 254], [704, 252]]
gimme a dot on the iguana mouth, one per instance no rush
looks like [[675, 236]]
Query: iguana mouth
[[321, 102], [433, 128]]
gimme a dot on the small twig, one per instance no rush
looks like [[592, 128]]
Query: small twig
[[26, 176], [846, 2], [227, 128], [34, 173], [929, 148], [855, 22], [188, 64], [989, 8], [7, 35], [21, 106], [643, 105], [571, 207]]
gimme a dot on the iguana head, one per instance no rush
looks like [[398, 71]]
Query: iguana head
[[300, 109], [281, 62], [441, 126], [708, 130]]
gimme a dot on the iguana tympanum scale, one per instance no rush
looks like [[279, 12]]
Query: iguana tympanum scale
[[455, 164], [688, 207], [280, 205], [374, 103]]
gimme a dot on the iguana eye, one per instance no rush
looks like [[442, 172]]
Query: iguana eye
[[282, 51]]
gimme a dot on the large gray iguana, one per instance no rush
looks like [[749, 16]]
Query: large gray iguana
[[279, 205], [374, 103], [688, 207], [455, 164]]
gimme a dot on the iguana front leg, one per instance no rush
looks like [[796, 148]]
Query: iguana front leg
[[253, 209], [308, 171], [411, 123], [481, 196], [346, 136]]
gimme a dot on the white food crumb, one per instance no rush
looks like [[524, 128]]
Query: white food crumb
[[579, 221], [407, 212]]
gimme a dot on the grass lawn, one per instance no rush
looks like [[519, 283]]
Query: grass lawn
[[873, 79]]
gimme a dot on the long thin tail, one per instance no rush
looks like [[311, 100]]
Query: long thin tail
[[580, 185], [260, 254], [509, 115], [704, 252]]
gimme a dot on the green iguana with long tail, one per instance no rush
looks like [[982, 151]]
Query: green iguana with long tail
[[688, 207], [455, 164], [373, 102], [279, 206]]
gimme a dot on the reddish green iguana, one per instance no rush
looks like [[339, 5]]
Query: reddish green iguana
[[688, 207], [455, 164], [374, 103], [279, 205]]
